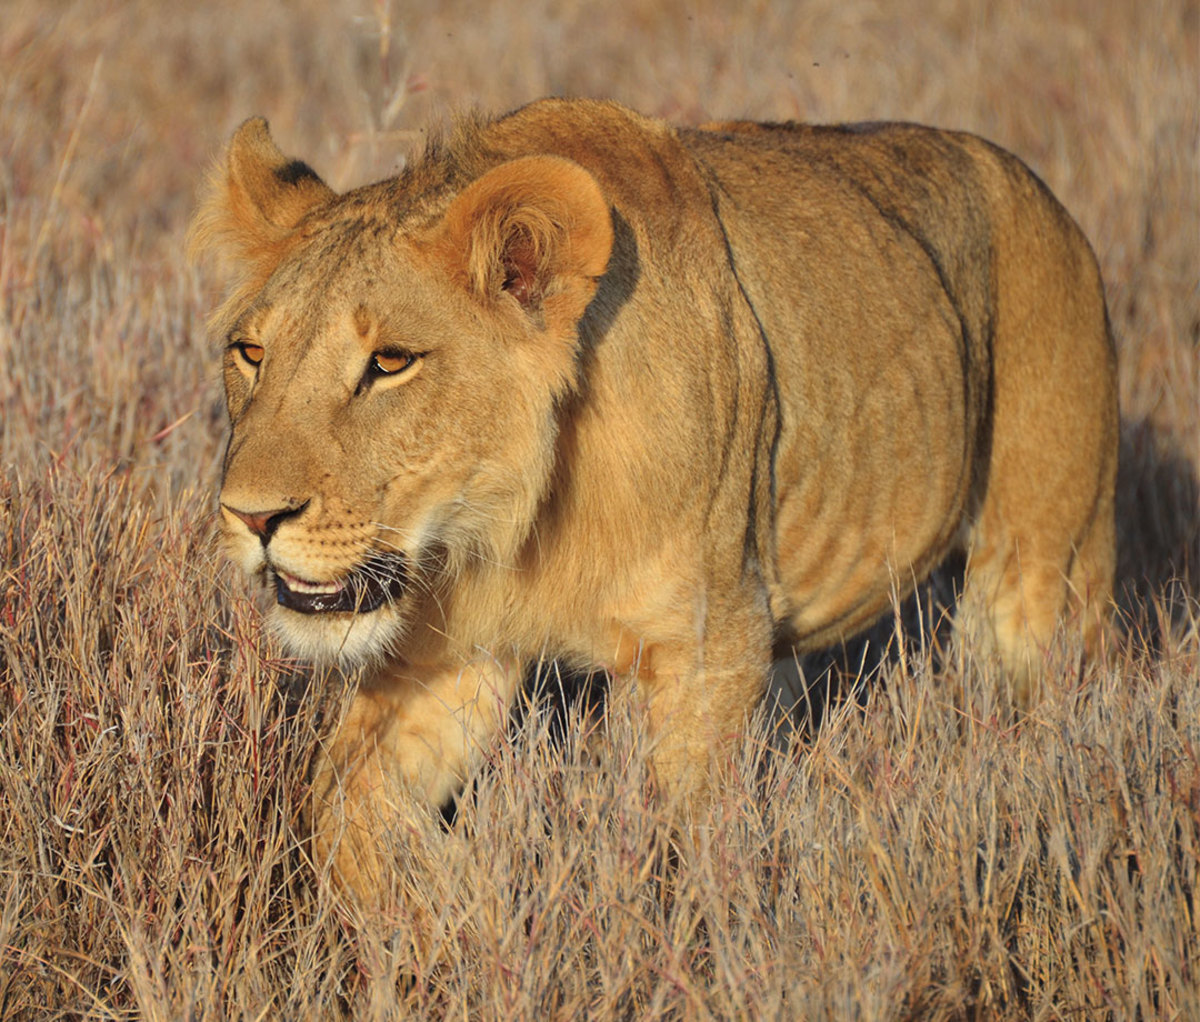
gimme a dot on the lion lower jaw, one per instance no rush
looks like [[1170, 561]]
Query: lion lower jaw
[[347, 640]]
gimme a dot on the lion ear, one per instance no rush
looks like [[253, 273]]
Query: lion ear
[[254, 201], [537, 229]]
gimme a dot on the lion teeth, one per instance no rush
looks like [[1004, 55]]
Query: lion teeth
[[300, 585]]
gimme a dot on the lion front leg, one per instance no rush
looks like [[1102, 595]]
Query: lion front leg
[[408, 742], [699, 695]]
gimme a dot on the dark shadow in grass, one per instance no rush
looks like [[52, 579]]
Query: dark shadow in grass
[[815, 683], [811, 685], [1158, 533], [563, 697]]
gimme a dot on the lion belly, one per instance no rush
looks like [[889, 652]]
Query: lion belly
[[878, 401], [873, 463]]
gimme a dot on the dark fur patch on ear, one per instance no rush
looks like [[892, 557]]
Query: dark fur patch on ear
[[296, 170]]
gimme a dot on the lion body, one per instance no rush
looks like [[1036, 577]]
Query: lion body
[[667, 395]]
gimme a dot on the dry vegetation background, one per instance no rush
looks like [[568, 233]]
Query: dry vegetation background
[[901, 861]]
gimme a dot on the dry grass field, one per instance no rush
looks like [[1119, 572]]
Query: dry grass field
[[903, 860]]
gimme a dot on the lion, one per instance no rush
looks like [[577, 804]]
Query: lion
[[647, 399]]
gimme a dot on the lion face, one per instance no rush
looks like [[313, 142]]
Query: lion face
[[392, 388]]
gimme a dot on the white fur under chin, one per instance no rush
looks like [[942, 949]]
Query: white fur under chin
[[349, 640]]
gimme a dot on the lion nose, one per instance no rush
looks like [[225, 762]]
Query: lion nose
[[264, 523]]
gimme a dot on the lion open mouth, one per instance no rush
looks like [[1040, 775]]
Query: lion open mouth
[[367, 588]]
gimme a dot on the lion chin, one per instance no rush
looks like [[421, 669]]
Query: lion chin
[[346, 640]]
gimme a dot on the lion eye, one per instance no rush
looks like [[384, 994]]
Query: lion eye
[[252, 354], [395, 366], [391, 363]]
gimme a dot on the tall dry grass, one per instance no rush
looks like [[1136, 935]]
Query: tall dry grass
[[903, 860]]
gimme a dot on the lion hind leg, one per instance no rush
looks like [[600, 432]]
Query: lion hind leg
[[1035, 603], [1009, 610], [1040, 555], [1090, 583]]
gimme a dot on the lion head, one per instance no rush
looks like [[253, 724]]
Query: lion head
[[394, 359]]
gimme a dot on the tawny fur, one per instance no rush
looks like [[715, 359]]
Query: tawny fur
[[673, 394]]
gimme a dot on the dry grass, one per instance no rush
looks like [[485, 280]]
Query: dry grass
[[904, 861]]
